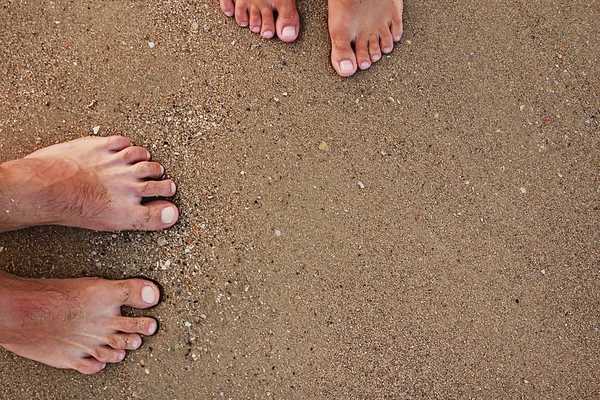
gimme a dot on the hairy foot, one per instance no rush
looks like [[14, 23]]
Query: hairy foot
[[95, 183], [361, 30], [73, 323], [266, 17]]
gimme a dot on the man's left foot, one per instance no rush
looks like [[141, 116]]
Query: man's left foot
[[371, 26]]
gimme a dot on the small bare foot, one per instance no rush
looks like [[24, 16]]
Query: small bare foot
[[371, 26], [73, 323], [95, 183], [266, 17]]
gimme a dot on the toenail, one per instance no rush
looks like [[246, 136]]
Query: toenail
[[289, 32], [375, 57], [229, 13], [364, 65], [346, 66], [397, 38], [148, 154], [173, 187], [148, 295], [162, 170], [121, 356], [151, 328], [386, 49], [244, 24], [256, 29], [167, 215], [135, 343], [267, 34]]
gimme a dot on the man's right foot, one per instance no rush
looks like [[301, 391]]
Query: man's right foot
[[265, 17]]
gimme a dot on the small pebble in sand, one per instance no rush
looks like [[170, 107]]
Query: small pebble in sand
[[151, 44], [277, 232], [96, 129], [162, 241], [194, 26], [361, 185], [523, 190], [323, 146]]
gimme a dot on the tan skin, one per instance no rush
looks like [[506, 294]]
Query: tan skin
[[360, 30], [93, 183]]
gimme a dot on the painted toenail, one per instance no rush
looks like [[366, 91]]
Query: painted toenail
[[267, 34], [167, 215], [151, 328], [289, 32], [364, 65], [135, 343], [346, 66], [173, 187], [148, 295]]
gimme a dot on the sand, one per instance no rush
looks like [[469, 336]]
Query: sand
[[425, 229]]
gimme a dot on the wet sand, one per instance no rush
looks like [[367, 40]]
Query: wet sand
[[425, 229]]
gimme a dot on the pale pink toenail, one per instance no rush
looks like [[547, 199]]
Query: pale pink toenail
[[162, 170], [386, 49], [229, 13], [397, 38], [376, 57], [152, 328], [173, 187], [346, 66], [148, 295], [267, 34], [289, 32], [148, 154], [167, 215], [256, 29], [135, 343], [365, 65], [121, 356], [244, 24]]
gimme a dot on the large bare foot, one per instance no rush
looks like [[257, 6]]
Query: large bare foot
[[73, 323], [95, 183], [265, 17], [371, 26]]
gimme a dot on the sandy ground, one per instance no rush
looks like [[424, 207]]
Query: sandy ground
[[429, 228]]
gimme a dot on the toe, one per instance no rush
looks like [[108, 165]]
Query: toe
[[374, 48], [149, 170], [267, 29], [288, 22], [117, 143], [134, 154], [105, 354], [88, 366], [143, 325], [342, 56], [136, 293], [165, 188], [255, 21], [386, 41], [155, 215], [227, 7], [241, 13], [362, 52], [397, 28], [124, 341]]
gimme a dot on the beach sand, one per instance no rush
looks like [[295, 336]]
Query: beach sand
[[429, 228]]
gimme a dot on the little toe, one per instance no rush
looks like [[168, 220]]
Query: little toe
[[241, 13], [105, 354], [124, 341], [227, 7], [89, 366], [148, 169], [386, 41], [374, 48], [255, 20], [288, 22], [267, 29], [164, 188], [142, 325], [134, 154], [362, 52], [136, 293], [117, 143]]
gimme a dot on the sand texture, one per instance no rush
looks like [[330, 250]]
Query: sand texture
[[429, 228]]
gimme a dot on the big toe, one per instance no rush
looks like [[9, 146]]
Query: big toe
[[288, 22], [343, 58], [154, 216], [136, 293]]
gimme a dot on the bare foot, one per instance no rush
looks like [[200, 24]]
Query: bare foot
[[265, 17], [95, 183], [73, 323], [371, 26]]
